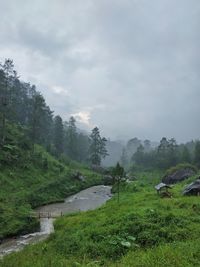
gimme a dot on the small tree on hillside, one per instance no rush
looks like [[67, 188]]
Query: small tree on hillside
[[97, 149], [118, 173]]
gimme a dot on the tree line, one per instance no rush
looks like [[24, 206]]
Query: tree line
[[21, 104], [165, 155]]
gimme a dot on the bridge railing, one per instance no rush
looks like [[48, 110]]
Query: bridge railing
[[44, 214]]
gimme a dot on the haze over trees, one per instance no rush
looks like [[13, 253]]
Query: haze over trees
[[167, 153], [23, 105]]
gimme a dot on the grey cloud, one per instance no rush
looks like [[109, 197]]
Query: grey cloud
[[137, 60]]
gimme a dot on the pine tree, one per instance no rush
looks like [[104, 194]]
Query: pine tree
[[7, 75], [97, 149], [71, 139], [37, 119], [58, 135], [163, 154], [173, 152]]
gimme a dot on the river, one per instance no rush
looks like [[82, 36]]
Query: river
[[87, 199]]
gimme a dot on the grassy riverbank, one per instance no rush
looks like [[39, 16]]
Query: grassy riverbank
[[43, 179], [142, 230]]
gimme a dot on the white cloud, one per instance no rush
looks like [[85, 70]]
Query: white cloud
[[83, 117]]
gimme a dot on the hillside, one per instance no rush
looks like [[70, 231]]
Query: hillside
[[32, 178], [142, 230]]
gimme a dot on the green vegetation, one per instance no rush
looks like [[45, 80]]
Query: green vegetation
[[34, 186], [30, 179], [142, 230]]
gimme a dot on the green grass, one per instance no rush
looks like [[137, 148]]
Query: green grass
[[177, 254], [142, 230]]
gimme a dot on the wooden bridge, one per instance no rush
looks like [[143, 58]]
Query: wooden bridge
[[45, 214]]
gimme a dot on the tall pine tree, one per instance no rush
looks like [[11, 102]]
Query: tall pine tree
[[97, 149], [58, 137], [71, 139]]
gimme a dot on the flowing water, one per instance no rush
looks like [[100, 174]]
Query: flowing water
[[87, 199]]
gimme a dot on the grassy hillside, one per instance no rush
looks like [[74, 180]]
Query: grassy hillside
[[30, 179], [142, 230]]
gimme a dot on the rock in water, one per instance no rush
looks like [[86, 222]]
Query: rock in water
[[193, 188], [178, 176]]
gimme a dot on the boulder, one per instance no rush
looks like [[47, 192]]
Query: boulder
[[178, 176], [193, 188]]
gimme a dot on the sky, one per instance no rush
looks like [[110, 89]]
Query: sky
[[130, 67]]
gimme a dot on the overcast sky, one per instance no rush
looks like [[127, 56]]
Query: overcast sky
[[131, 67]]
